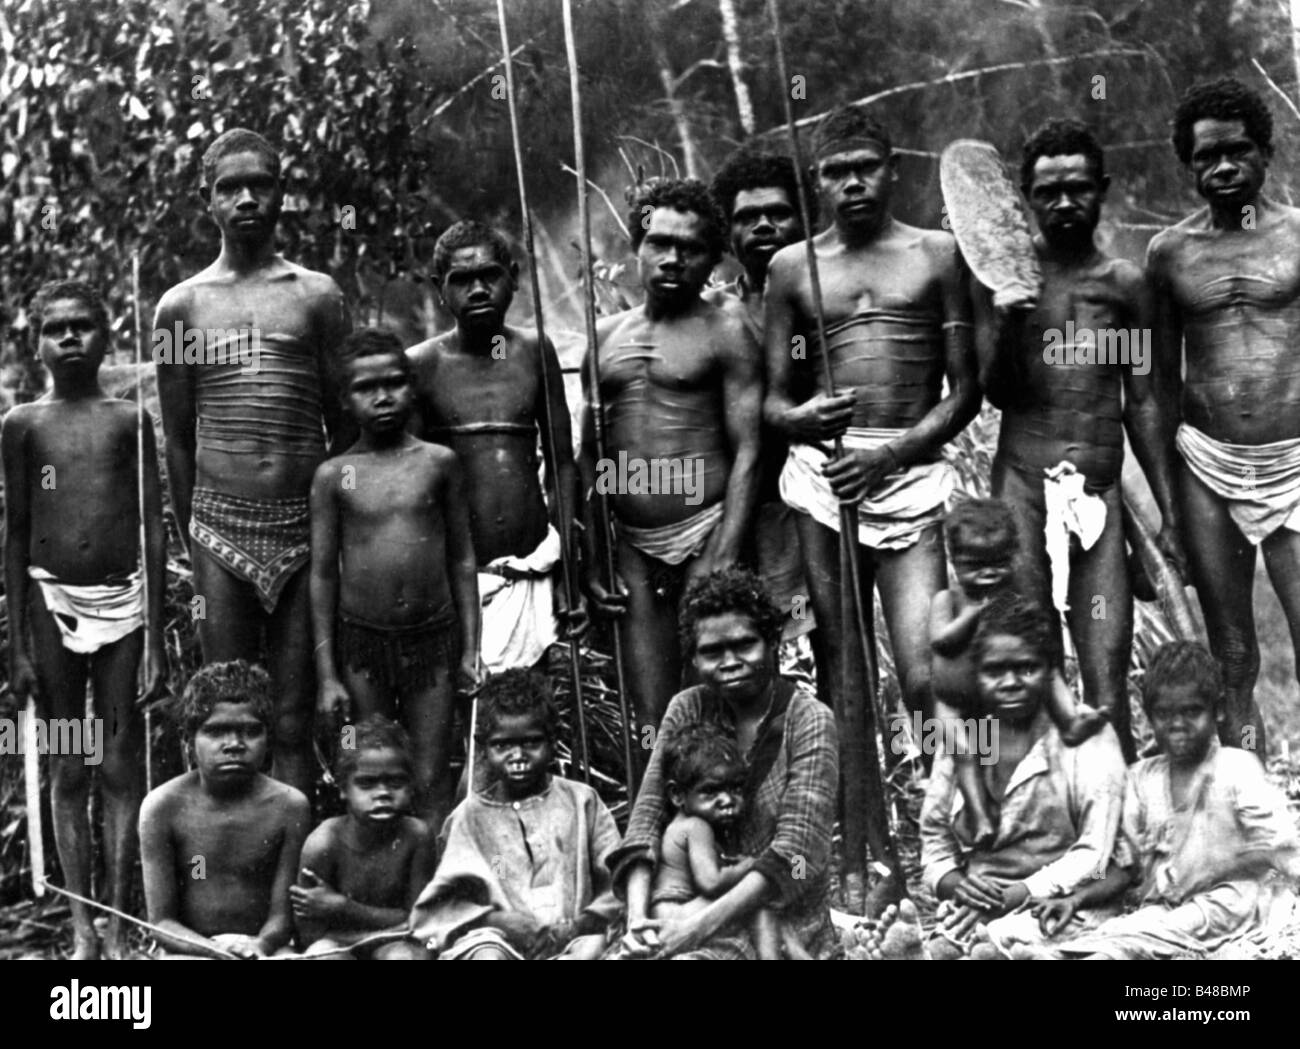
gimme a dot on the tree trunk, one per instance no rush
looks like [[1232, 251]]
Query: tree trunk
[[736, 64], [676, 107]]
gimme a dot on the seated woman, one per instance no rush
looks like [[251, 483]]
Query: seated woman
[[730, 630]]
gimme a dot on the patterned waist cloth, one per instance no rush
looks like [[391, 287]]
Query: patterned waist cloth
[[262, 541], [399, 657]]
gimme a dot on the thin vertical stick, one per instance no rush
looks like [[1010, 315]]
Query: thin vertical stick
[[32, 790], [144, 541], [595, 403], [549, 445]]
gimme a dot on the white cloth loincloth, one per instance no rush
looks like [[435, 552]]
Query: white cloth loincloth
[[893, 515], [100, 613], [1070, 511], [517, 620], [1261, 482], [674, 543]]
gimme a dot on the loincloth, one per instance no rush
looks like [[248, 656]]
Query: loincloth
[[675, 543], [1261, 482], [262, 541], [1070, 511], [91, 617], [895, 513], [518, 615], [399, 658]]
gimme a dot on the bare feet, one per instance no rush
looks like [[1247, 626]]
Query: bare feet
[[897, 935]]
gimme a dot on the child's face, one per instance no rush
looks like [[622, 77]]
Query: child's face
[[1012, 678], [70, 340], [378, 394], [716, 797], [230, 746], [379, 788], [981, 567], [519, 752], [476, 288], [245, 196], [1182, 719]]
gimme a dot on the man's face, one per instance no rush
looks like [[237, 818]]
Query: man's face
[[378, 394], [715, 798], [477, 288], [519, 752], [245, 197], [674, 259], [379, 789], [763, 221], [70, 341], [858, 184], [1066, 197], [1228, 165], [1182, 720], [1012, 678], [230, 746], [731, 657]]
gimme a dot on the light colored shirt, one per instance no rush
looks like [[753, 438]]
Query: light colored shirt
[[1059, 819]]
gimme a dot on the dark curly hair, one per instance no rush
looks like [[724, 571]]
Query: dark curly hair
[[369, 342], [680, 194], [77, 291], [729, 590], [469, 234], [1183, 663], [236, 681], [374, 733], [1061, 138], [990, 521], [513, 693], [845, 124], [696, 749], [748, 169], [238, 140], [1224, 99], [1010, 615]]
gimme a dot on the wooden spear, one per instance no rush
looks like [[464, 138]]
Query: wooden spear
[[144, 540]]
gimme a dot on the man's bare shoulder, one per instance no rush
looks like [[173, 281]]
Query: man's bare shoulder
[[314, 282], [1128, 278], [179, 298], [1172, 239], [787, 265], [612, 322], [425, 355], [939, 246]]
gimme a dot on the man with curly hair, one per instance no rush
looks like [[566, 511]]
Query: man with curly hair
[[219, 845], [682, 390], [730, 630], [1227, 281]]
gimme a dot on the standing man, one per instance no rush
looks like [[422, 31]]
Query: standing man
[[1070, 377], [759, 196], [682, 390], [243, 351], [1227, 281]]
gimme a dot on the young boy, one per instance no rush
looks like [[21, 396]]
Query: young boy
[[393, 587], [378, 857], [1208, 839], [220, 844], [523, 871], [982, 547], [72, 517], [706, 778]]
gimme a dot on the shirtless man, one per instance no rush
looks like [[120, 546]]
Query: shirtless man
[[479, 391], [1227, 281], [898, 320], [759, 195], [682, 390], [1068, 388], [245, 413]]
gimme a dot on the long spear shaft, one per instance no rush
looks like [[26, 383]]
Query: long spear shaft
[[549, 445], [860, 720], [596, 402], [144, 535]]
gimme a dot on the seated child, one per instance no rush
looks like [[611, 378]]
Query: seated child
[[362, 872], [76, 597], [394, 589], [1207, 839], [220, 845], [705, 779], [523, 870], [982, 545]]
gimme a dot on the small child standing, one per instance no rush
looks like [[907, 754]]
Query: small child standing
[[394, 586], [523, 871], [378, 856], [1206, 838], [219, 845], [72, 564], [705, 779], [983, 543]]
